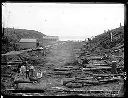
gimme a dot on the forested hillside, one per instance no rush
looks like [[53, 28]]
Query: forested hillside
[[12, 36]]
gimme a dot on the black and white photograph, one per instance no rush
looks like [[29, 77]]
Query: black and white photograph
[[63, 49]]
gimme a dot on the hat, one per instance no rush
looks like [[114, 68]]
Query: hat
[[82, 57], [31, 67], [114, 62]]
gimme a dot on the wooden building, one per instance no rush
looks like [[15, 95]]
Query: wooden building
[[26, 43]]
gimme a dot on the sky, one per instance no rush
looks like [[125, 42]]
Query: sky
[[66, 20]]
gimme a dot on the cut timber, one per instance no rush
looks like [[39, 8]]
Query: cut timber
[[96, 68]]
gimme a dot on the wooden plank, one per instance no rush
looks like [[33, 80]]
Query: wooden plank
[[96, 68]]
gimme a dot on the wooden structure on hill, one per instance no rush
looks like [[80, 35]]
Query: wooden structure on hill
[[26, 43]]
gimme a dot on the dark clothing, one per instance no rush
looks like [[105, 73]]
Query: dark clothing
[[75, 63], [19, 66], [85, 61], [32, 74], [114, 69], [27, 73], [37, 44]]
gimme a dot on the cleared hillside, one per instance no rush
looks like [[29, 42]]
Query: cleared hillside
[[102, 43]]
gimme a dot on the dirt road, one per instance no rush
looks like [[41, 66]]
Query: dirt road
[[60, 54]]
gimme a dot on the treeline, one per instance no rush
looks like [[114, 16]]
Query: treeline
[[11, 36]]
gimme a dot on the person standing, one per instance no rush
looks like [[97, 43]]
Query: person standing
[[23, 71], [84, 61], [32, 74], [27, 69], [114, 67]]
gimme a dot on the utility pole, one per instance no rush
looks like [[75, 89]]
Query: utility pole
[[110, 35], [120, 24], [3, 23], [2, 30], [104, 31]]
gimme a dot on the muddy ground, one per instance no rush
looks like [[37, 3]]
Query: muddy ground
[[59, 55]]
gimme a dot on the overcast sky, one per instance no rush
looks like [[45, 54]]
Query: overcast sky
[[68, 21]]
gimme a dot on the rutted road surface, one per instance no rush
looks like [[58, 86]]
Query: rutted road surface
[[60, 54]]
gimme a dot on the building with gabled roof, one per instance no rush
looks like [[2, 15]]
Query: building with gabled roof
[[28, 43]]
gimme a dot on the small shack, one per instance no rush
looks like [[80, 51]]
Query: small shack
[[26, 43]]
